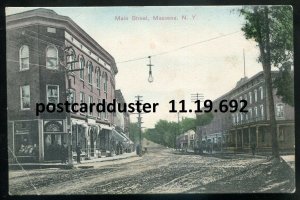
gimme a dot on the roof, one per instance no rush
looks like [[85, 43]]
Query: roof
[[37, 16], [119, 96]]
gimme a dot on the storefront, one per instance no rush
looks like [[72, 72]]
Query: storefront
[[25, 141], [54, 137]]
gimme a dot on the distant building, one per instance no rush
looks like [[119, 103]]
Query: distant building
[[186, 140], [237, 131], [40, 43]]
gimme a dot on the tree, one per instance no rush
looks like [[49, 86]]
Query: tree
[[134, 132], [204, 119], [271, 28]]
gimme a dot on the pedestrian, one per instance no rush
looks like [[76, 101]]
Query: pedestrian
[[253, 147], [64, 153], [78, 152]]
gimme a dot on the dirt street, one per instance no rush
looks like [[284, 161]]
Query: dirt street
[[159, 171]]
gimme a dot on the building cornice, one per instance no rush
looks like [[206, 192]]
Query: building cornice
[[50, 18]]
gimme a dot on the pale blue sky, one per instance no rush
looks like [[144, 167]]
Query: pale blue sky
[[211, 68]]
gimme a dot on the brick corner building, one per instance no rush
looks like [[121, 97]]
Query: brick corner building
[[41, 46]]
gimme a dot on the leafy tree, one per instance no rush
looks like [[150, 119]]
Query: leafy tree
[[204, 119], [271, 28], [134, 132]]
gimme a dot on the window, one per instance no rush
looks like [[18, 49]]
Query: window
[[255, 111], [233, 118], [82, 97], [98, 78], [24, 57], [71, 59], [262, 111], [250, 97], [237, 118], [51, 57], [241, 116], [81, 66], [250, 113], [51, 30], [90, 101], [279, 110], [99, 113], [25, 97], [281, 135], [72, 96], [245, 97], [52, 94], [90, 73], [261, 90], [105, 84], [255, 95], [246, 116]]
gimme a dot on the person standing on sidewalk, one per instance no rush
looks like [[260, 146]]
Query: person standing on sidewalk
[[78, 152], [253, 147]]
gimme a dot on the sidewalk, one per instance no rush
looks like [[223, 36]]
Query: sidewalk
[[290, 160], [67, 166]]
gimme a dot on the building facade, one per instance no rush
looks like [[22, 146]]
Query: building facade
[[41, 47], [238, 131], [186, 140]]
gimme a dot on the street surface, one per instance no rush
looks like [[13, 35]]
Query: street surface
[[159, 171]]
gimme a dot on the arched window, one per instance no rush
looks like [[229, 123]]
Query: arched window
[[98, 74], [81, 66], [51, 57], [24, 57], [105, 83], [90, 72], [70, 59]]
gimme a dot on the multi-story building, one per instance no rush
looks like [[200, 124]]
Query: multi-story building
[[237, 131], [41, 46], [186, 140]]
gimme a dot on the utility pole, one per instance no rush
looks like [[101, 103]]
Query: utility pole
[[140, 123], [68, 93]]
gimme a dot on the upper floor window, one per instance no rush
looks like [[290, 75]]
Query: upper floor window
[[98, 74], [245, 97], [90, 102], [51, 30], [52, 94], [255, 112], [261, 92], [279, 110], [250, 113], [250, 97], [262, 111], [25, 97], [90, 73], [82, 97], [255, 95], [24, 57], [105, 81], [81, 66], [99, 113], [233, 118], [51, 57]]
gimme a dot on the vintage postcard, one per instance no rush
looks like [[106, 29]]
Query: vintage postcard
[[160, 100]]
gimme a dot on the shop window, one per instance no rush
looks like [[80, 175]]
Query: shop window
[[24, 57], [52, 94], [51, 57], [26, 139], [25, 97]]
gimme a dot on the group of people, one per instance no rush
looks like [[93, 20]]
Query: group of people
[[64, 153]]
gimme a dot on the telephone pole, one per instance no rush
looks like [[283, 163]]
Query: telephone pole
[[139, 118], [68, 52]]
